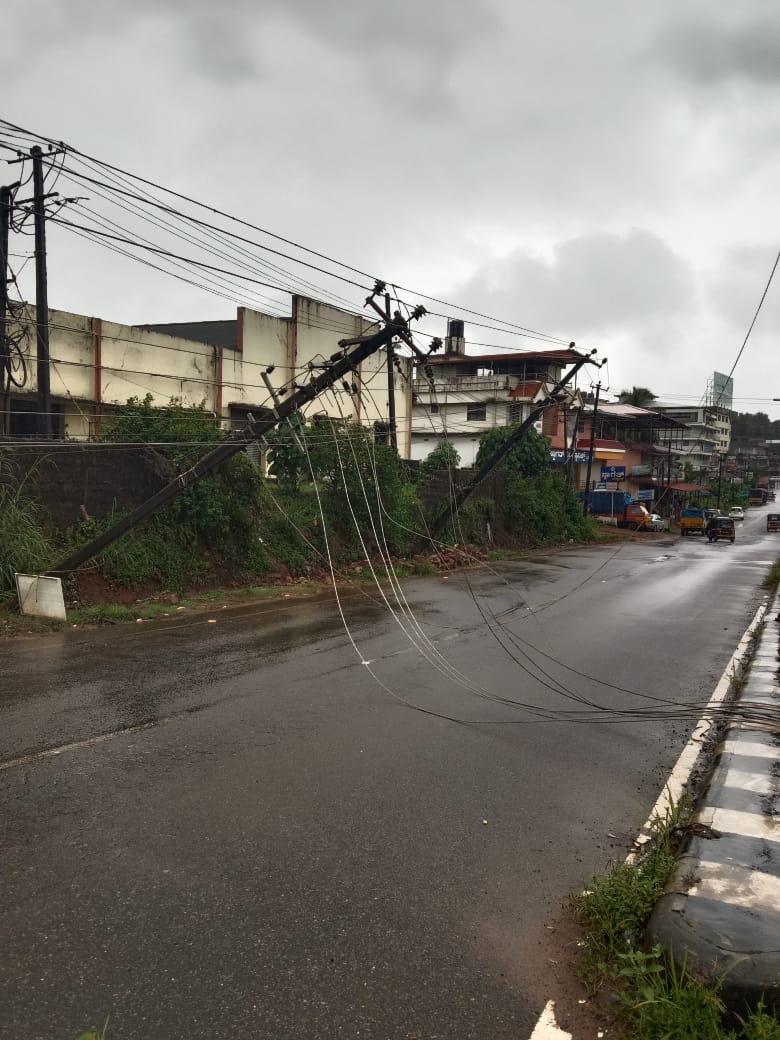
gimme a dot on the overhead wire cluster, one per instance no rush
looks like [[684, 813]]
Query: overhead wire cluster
[[197, 243], [138, 217]]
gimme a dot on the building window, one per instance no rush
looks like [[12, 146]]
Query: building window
[[476, 412], [24, 420], [381, 433], [434, 408]]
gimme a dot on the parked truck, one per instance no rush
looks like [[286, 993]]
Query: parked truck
[[616, 507], [692, 521]]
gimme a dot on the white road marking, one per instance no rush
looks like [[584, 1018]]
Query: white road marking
[[547, 1028], [36, 756]]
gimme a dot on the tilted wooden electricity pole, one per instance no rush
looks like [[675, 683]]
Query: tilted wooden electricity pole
[[336, 368]]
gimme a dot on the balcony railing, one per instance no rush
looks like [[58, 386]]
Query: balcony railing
[[459, 384]]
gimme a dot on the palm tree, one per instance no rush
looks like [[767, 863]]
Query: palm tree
[[639, 396]]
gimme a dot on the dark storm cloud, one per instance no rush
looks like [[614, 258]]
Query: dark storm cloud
[[397, 41], [593, 284], [711, 52], [420, 139]]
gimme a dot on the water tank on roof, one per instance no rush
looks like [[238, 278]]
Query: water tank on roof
[[455, 342]]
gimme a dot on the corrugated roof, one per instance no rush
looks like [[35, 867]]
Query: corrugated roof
[[528, 388], [630, 411]]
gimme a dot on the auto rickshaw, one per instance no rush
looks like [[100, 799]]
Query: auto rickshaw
[[720, 527]]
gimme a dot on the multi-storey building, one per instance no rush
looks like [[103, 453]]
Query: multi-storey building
[[96, 365], [704, 433], [469, 394]]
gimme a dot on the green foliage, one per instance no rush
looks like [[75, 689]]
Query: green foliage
[[222, 511], [161, 550], [663, 1000], [96, 1034], [25, 544], [616, 910], [178, 430], [660, 1000], [639, 396], [471, 524], [545, 509], [618, 904], [291, 529], [530, 457], [364, 489], [443, 456], [219, 512], [747, 426], [759, 1025], [286, 462], [772, 580]]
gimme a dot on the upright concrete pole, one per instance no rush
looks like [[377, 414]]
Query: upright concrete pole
[[41, 297], [390, 381]]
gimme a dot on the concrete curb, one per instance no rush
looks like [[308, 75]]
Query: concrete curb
[[720, 912]]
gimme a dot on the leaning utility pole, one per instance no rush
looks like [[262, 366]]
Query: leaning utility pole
[[41, 296], [458, 499], [337, 367]]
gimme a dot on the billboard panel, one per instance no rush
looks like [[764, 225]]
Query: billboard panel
[[722, 390]]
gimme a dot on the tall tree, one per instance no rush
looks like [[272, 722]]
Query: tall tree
[[639, 396], [529, 457]]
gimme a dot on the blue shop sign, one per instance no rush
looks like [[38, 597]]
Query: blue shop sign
[[609, 474]]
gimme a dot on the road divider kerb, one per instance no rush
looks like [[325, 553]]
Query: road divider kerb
[[679, 779], [720, 911]]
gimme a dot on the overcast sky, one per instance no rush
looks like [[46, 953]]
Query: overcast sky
[[604, 172]]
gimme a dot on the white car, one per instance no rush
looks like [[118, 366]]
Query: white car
[[737, 513], [655, 523]]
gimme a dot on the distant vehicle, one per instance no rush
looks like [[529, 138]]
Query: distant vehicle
[[758, 496], [616, 507], [773, 522], [771, 496], [692, 521], [655, 523], [737, 513], [721, 528], [709, 513]]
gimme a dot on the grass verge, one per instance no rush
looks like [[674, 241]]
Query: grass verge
[[772, 580], [657, 999]]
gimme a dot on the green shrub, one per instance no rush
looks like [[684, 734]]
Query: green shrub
[[26, 546], [529, 457]]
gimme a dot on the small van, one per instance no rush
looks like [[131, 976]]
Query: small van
[[773, 522]]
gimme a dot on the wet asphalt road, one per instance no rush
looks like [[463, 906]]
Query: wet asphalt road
[[233, 829]]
